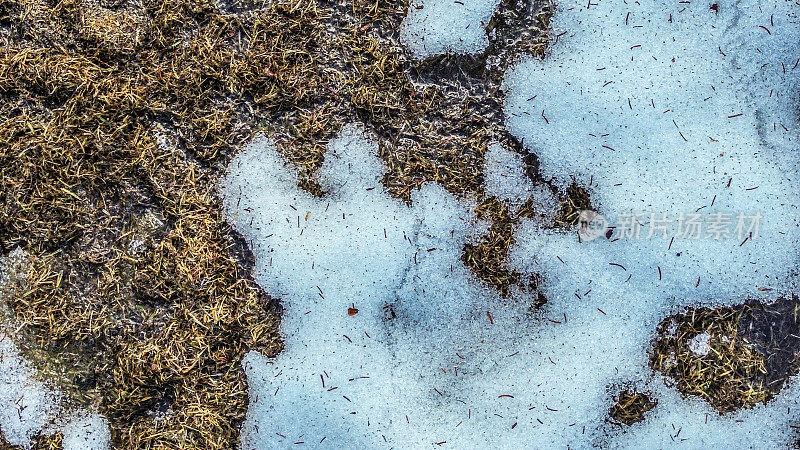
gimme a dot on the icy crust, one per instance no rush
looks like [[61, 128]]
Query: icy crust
[[434, 27]]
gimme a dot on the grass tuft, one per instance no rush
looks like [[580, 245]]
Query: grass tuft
[[631, 407], [753, 350]]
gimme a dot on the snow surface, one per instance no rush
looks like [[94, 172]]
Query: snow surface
[[505, 175], [432, 356], [587, 111], [28, 405], [434, 27], [671, 108], [87, 432], [505, 178], [355, 377]]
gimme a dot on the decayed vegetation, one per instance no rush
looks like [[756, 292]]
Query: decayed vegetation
[[117, 118]]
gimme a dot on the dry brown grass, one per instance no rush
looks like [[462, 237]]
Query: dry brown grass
[[631, 407], [52, 442], [138, 301], [730, 377], [754, 349]]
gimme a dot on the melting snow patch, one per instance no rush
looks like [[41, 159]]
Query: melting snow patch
[[89, 432], [505, 175], [383, 325], [434, 27], [679, 422], [700, 345], [28, 405], [506, 179], [682, 122], [666, 111]]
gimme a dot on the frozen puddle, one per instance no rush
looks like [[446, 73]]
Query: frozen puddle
[[665, 108]]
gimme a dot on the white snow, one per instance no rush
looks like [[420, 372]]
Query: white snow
[[700, 345], [434, 357], [545, 203], [642, 105], [27, 406], [637, 100], [440, 370], [434, 27], [678, 422], [505, 175], [354, 377], [87, 432], [505, 178]]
